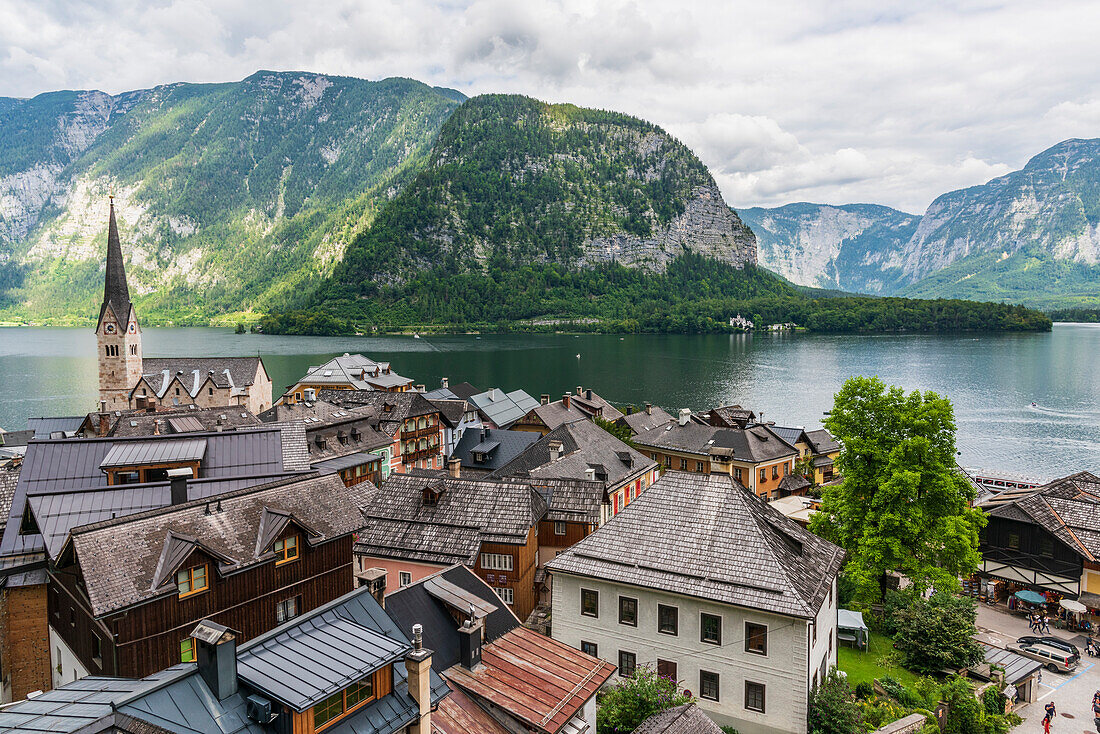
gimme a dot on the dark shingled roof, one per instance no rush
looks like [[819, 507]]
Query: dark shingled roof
[[707, 536], [388, 409], [510, 444], [132, 558], [753, 445], [584, 445], [643, 421], [116, 294], [138, 422], [684, 719], [9, 477], [572, 500], [1068, 508], [451, 410], [730, 416], [242, 372], [822, 442]]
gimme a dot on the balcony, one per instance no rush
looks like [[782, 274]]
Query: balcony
[[411, 456], [420, 432]]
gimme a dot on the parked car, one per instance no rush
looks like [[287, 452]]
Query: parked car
[[1052, 641], [1054, 659]]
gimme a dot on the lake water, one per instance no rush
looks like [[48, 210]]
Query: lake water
[[789, 378]]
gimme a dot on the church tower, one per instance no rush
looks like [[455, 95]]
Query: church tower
[[118, 336]]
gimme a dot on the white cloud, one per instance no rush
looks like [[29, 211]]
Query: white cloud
[[871, 100]]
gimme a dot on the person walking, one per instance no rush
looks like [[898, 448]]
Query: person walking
[[1046, 625], [1050, 712], [1096, 711]]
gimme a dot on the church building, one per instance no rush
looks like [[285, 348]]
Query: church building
[[128, 380]]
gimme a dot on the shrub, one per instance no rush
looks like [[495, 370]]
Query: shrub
[[937, 633], [864, 690], [994, 701], [832, 708], [965, 714], [633, 700]]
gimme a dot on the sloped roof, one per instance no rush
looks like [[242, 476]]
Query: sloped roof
[[387, 406], [451, 410], [116, 293], [584, 445], [124, 555], [141, 453], [731, 415], [137, 422], [357, 370], [707, 536], [1068, 508], [43, 427], [72, 707], [502, 408], [788, 434], [643, 421], [510, 444], [685, 719], [9, 477], [572, 500], [459, 714], [226, 372], [822, 442], [754, 445]]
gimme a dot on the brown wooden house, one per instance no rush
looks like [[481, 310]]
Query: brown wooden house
[[125, 594]]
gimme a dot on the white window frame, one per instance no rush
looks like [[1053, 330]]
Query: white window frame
[[497, 561], [404, 578], [506, 594], [559, 527]]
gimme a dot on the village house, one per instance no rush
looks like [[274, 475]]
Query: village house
[[153, 421], [581, 450], [642, 420], [458, 416], [729, 416], [484, 450], [346, 372], [1046, 539], [129, 380], [413, 424], [546, 416], [755, 456], [701, 580], [499, 409], [504, 678], [339, 440], [343, 667], [63, 483]]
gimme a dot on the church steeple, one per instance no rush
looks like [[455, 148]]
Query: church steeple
[[115, 291]]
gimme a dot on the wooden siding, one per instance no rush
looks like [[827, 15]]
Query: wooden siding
[[574, 533], [146, 638], [25, 640], [521, 579], [383, 686]]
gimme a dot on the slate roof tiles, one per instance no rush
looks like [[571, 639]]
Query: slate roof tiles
[[1068, 508]]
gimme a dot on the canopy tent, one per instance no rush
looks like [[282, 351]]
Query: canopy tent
[[1073, 606], [1030, 597], [850, 627]]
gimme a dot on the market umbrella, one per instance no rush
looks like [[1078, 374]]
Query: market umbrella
[[1031, 597], [1073, 606]]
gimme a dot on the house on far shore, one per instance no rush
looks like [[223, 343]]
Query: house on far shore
[[708, 584]]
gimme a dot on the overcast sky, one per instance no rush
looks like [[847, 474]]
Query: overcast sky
[[835, 102]]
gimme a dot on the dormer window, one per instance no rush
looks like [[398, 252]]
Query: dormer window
[[355, 434], [286, 550], [432, 493], [192, 580], [342, 703]]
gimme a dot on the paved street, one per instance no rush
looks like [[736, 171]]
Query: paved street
[[1071, 693]]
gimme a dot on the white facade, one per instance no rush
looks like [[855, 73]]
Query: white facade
[[66, 665], [795, 652]]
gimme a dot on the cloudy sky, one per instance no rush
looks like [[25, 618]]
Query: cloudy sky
[[836, 102]]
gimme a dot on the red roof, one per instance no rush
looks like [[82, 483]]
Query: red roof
[[457, 714], [542, 682]]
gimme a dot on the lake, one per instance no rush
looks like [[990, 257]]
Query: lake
[[789, 378]]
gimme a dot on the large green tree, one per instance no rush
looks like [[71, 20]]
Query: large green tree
[[902, 506]]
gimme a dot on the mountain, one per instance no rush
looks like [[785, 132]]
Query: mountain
[[229, 196], [1031, 236], [851, 247]]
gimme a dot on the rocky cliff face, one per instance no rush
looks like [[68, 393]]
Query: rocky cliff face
[[852, 247]]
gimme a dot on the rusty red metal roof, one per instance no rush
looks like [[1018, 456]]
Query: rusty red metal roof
[[458, 714], [540, 681]]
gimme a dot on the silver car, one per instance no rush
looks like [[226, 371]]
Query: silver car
[[1053, 659]]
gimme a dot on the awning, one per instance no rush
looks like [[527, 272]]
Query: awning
[[1090, 600], [1073, 606], [1030, 597]]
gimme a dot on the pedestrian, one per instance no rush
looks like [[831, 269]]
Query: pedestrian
[[1096, 711], [1050, 711], [1046, 625]]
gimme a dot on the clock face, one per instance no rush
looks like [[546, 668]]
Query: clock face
[[133, 327], [109, 329]]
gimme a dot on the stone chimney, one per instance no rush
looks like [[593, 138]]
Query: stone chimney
[[544, 399], [375, 578], [454, 467], [685, 416], [217, 658], [555, 450], [444, 382], [178, 479], [565, 399], [649, 408], [469, 644], [580, 390], [418, 667]]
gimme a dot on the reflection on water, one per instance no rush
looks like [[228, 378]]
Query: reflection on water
[[790, 378]]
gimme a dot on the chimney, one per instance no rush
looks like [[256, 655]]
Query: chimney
[[217, 657], [375, 578], [494, 394], [454, 467], [588, 394], [544, 399], [555, 450], [444, 382], [156, 427], [469, 644], [178, 479], [102, 406], [649, 408], [419, 388], [565, 399], [590, 474], [580, 390], [150, 405], [418, 666], [685, 416], [104, 425]]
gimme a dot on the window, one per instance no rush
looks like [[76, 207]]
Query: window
[[286, 610], [754, 696], [737, 473], [628, 661], [683, 464], [590, 603], [668, 462], [359, 692], [589, 648], [763, 475], [653, 456], [496, 561], [404, 578], [72, 617], [1046, 547], [667, 668], [177, 391], [756, 638], [97, 650], [667, 619], [559, 528], [506, 594], [192, 580], [338, 704], [187, 650], [1014, 541], [710, 628], [628, 611], [700, 467], [209, 391], [708, 685], [328, 709], [775, 472], [286, 550]]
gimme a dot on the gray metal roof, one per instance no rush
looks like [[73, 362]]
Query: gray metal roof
[[1017, 667], [485, 447], [43, 427], [510, 444], [347, 461], [70, 708], [501, 408], [140, 453]]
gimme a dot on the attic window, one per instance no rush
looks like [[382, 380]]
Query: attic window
[[342, 438], [286, 550], [432, 493], [192, 580], [321, 442], [387, 407], [28, 525], [355, 434]]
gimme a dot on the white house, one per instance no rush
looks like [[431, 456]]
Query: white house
[[704, 581]]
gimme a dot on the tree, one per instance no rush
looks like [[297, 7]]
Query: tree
[[965, 714], [937, 633], [833, 709], [902, 506], [623, 433], [633, 700]]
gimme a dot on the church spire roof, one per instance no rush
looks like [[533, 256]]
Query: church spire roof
[[115, 291]]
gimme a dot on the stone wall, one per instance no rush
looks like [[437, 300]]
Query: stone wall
[[25, 640], [908, 725]]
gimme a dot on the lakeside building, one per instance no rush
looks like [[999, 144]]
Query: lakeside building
[[545, 416], [484, 450], [129, 380], [642, 420], [346, 372], [154, 422], [343, 667], [704, 581], [755, 456], [413, 424], [504, 678], [499, 409], [458, 416]]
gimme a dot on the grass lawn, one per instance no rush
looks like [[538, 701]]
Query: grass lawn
[[872, 663]]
